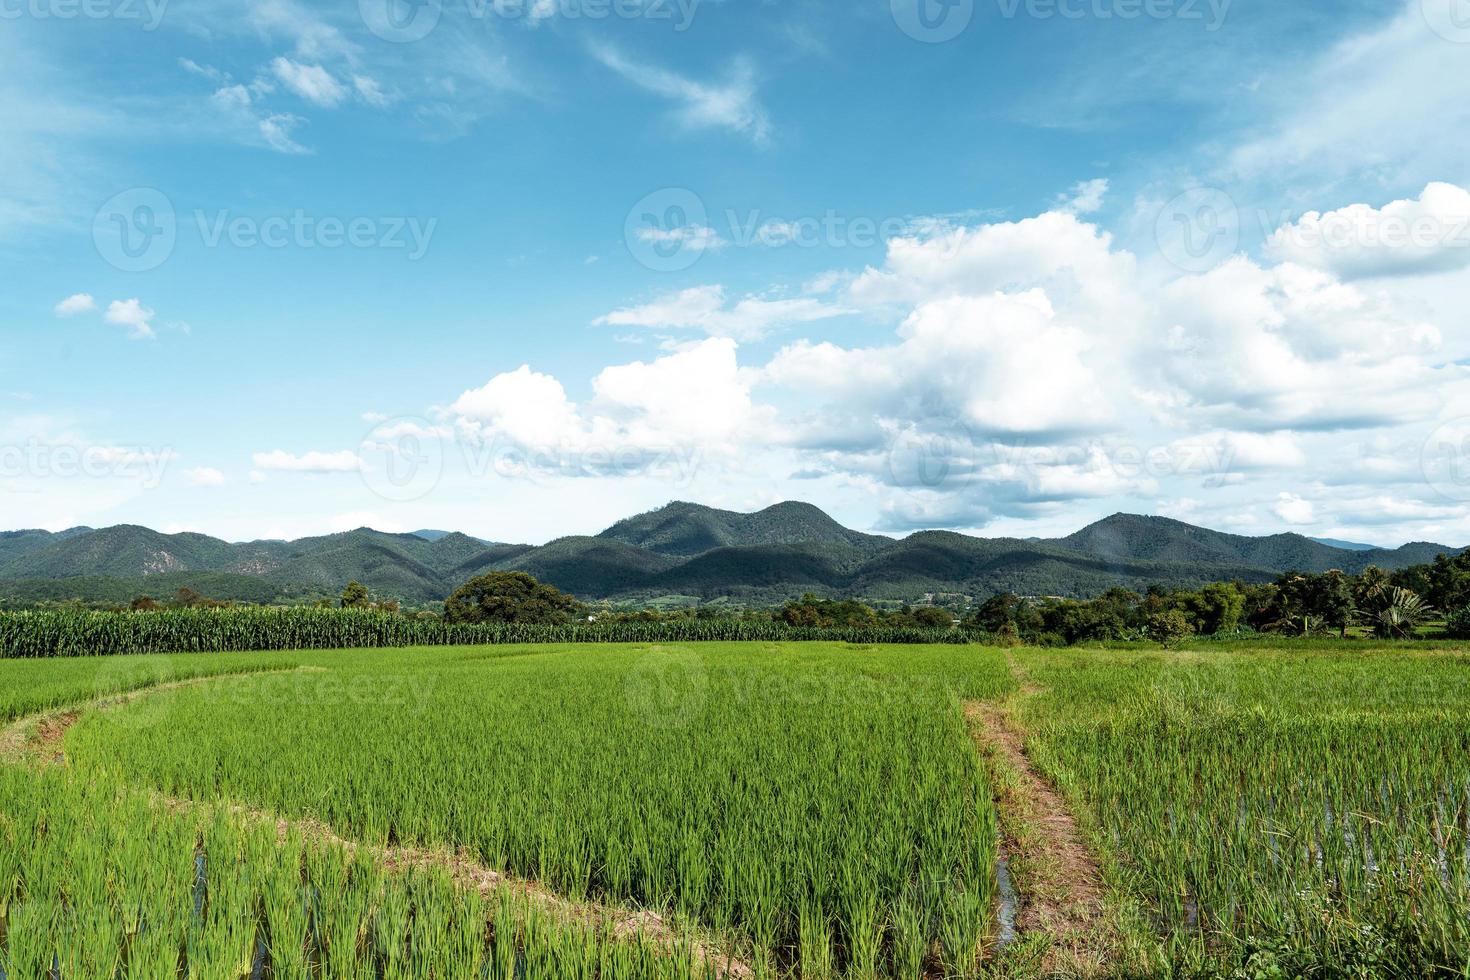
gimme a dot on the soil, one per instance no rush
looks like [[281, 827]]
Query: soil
[[1056, 875]]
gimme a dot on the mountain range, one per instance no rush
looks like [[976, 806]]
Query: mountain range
[[680, 550]]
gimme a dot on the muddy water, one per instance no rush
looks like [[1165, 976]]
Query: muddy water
[[1006, 891]]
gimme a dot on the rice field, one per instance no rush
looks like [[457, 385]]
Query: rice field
[[744, 809], [1301, 811]]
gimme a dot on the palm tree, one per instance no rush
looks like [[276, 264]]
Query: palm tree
[[1403, 612]]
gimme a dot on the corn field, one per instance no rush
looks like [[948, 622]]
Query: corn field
[[72, 634]]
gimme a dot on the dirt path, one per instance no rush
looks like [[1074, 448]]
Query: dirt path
[[1056, 875], [33, 736], [39, 738]]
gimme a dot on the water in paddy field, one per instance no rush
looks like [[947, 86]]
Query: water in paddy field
[[1006, 889]]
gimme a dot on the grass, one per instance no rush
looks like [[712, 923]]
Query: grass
[[1291, 810], [814, 810], [98, 881], [747, 788]]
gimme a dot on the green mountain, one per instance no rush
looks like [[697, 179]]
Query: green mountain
[[687, 530], [680, 550], [1129, 536]]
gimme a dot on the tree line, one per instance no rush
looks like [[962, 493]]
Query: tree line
[[1390, 605]]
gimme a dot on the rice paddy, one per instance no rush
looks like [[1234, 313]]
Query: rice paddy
[[748, 809]]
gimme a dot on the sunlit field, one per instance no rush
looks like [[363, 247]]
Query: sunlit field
[[797, 810]]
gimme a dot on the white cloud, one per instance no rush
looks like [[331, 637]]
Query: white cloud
[[731, 105], [999, 364], [134, 315], [276, 130], [311, 82], [1086, 196], [205, 476], [1287, 347], [1427, 234], [279, 460], [76, 303], [1294, 510], [676, 407], [696, 238], [1217, 454], [370, 91], [1056, 251], [704, 308], [1378, 103], [232, 97]]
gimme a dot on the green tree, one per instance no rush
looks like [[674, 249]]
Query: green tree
[[1332, 599], [1169, 628], [355, 596], [815, 611], [1401, 616], [1216, 608], [933, 617], [510, 597]]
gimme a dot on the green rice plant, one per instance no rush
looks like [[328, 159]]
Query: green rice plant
[[1304, 811], [747, 789], [105, 883]]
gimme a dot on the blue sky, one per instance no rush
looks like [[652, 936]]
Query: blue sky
[[522, 268]]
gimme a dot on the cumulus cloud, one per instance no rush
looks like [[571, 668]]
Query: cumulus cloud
[[691, 402], [1033, 364], [345, 461], [705, 308], [129, 313], [74, 304], [1286, 347], [973, 359], [205, 476], [1086, 196], [1294, 510], [1427, 234]]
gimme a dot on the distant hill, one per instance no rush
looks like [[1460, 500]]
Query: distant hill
[[687, 530], [1129, 536], [1345, 545], [683, 549]]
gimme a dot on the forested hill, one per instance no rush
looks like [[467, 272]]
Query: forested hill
[[682, 549]]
